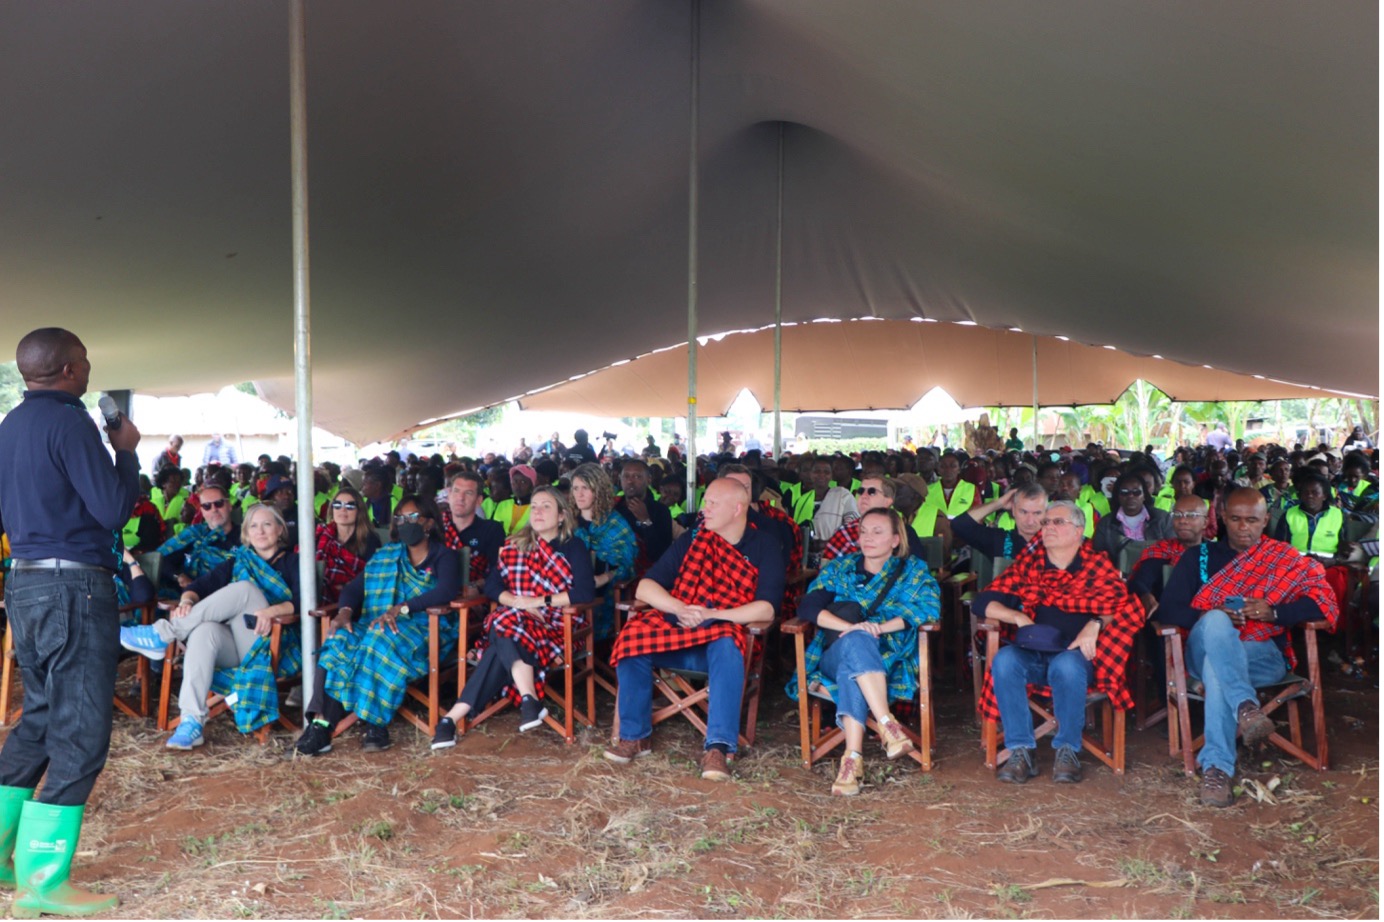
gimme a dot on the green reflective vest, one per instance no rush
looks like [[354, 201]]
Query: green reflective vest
[[170, 509], [1098, 500], [1316, 535], [962, 498], [925, 522]]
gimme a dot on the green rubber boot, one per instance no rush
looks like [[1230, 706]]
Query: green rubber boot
[[11, 803], [47, 840]]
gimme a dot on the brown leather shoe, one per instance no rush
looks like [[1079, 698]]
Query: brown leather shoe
[[1019, 768], [1254, 725], [1216, 789], [893, 738], [715, 767], [623, 752], [847, 783]]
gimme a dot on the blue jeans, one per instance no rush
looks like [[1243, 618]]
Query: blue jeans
[[1231, 668], [66, 642], [724, 665], [854, 654], [1068, 674]]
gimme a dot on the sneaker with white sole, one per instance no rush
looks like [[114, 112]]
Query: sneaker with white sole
[[144, 640], [186, 736], [531, 714], [445, 735]]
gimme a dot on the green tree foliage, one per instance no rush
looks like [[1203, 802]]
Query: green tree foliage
[[11, 387]]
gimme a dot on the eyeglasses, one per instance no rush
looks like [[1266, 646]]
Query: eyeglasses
[[1134, 492], [214, 504], [338, 504], [868, 491], [408, 517], [1189, 515], [1048, 523]]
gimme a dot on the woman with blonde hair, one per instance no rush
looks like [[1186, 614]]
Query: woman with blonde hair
[[868, 607], [542, 568], [220, 615], [607, 534]]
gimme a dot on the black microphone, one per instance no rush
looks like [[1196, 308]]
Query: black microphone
[[110, 411]]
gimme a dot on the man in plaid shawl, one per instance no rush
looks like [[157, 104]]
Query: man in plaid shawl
[[716, 580], [1189, 527], [1238, 600], [779, 524], [200, 548], [875, 492], [463, 527], [1076, 621]]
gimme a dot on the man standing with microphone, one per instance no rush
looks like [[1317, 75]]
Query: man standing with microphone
[[63, 504]]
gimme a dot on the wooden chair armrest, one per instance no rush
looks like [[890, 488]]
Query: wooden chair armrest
[[795, 626], [961, 579], [633, 606], [932, 627], [581, 607], [468, 602], [1315, 625], [328, 610], [984, 624], [285, 620], [1163, 630]]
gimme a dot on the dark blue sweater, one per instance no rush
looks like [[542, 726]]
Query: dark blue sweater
[[60, 495]]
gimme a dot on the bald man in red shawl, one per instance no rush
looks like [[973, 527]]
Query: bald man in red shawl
[[1238, 600]]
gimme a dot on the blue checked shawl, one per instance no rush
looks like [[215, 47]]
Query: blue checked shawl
[[251, 566], [368, 668], [614, 544], [914, 598], [199, 545]]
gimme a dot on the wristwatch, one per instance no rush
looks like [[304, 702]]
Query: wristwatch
[[403, 609], [548, 601]]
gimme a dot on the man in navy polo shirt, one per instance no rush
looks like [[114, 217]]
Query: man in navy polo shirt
[[64, 504]]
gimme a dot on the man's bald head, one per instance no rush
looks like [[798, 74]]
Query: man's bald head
[[1246, 514], [52, 357]]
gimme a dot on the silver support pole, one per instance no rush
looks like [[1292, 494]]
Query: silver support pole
[[691, 501], [302, 338], [1035, 392], [778, 306]]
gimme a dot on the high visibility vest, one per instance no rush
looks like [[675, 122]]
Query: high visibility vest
[[925, 522], [962, 498], [855, 485], [488, 508], [1165, 499], [1005, 521], [803, 506], [1319, 535], [130, 534], [320, 501], [1098, 500], [395, 494], [1090, 512], [172, 509], [504, 513]]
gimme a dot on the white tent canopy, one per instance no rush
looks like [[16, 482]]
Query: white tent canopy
[[499, 198]]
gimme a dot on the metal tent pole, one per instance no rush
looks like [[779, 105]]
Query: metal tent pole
[[778, 306], [691, 459], [302, 338], [1035, 392]]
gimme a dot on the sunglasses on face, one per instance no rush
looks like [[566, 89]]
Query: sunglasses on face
[[214, 504], [408, 517], [868, 491], [348, 505], [1134, 492]]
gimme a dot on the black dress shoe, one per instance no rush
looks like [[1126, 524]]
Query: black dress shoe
[[1019, 768]]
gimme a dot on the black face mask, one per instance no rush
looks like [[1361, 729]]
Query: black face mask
[[410, 533]]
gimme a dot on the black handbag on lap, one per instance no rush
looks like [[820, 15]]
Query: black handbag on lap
[[852, 612]]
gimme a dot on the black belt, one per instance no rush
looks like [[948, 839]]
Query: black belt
[[57, 564]]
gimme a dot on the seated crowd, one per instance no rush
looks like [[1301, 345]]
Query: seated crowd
[[1231, 547]]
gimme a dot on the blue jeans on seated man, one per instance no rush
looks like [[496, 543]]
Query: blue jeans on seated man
[[724, 665], [1231, 669], [1068, 674], [852, 655]]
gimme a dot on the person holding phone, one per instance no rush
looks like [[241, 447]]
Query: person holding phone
[[1237, 599], [220, 615]]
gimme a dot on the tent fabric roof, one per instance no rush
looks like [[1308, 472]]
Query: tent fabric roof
[[498, 192], [890, 364]]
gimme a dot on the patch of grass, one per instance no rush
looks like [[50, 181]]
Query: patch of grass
[[516, 842], [869, 882], [1011, 893], [331, 909], [1140, 870], [380, 829]]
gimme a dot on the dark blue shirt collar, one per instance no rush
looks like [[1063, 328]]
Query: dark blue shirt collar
[[62, 396]]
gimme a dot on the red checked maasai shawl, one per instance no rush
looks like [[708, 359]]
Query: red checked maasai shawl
[[1169, 550], [713, 574], [1276, 572], [339, 565], [539, 571], [1096, 588], [793, 587], [480, 565], [845, 541]]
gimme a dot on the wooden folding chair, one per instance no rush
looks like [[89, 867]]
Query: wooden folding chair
[[818, 741], [686, 691], [9, 711], [216, 701], [984, 573], [1143, 675], [1109, 747], [1289, 692], [578, 667]]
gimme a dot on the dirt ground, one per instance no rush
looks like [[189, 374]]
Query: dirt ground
[[525, 826]]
